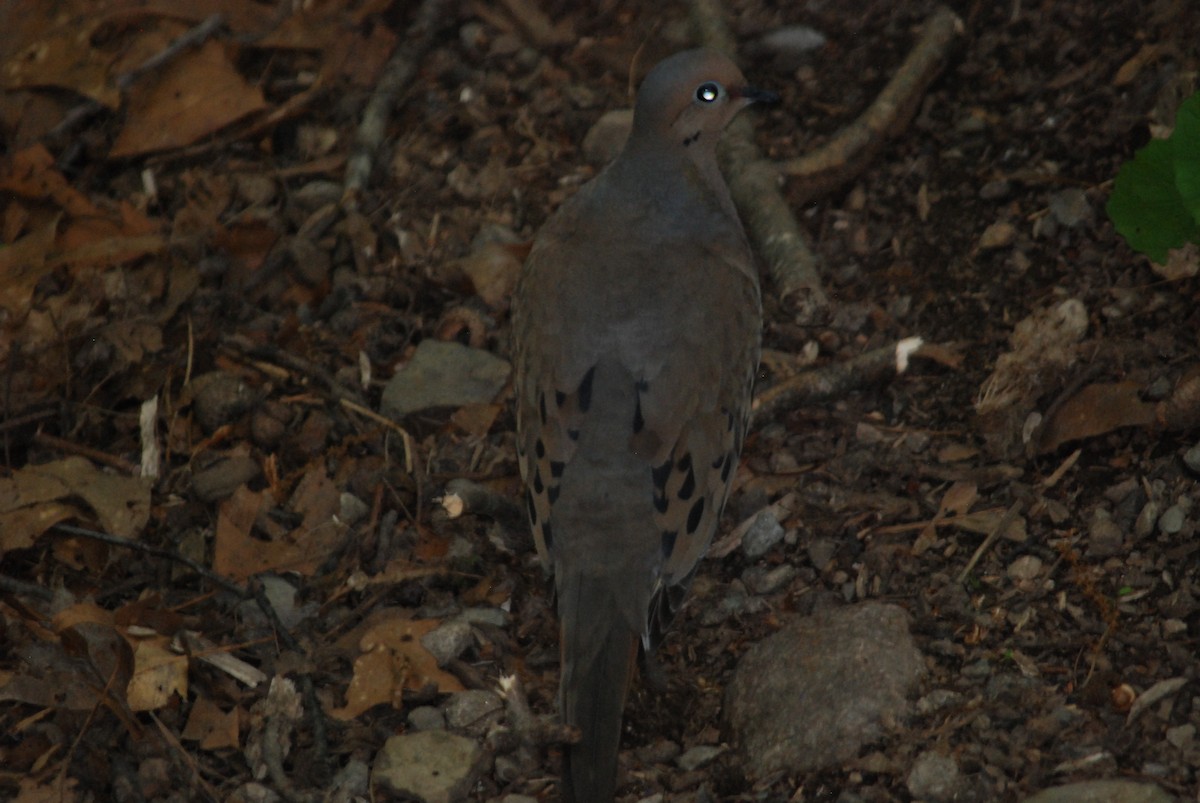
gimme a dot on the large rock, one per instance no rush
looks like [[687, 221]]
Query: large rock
[[809, 696], [444, 374]]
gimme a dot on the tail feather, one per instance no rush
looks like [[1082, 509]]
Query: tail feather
[[598, 652]]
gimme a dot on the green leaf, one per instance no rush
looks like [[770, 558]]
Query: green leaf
[[1146, 205], [1186, 142]]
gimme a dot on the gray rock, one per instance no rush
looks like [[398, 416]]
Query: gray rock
[[448, 641], [473, 711], [1070, 207], [809, 696], [764, 532], [1102, 792], [699, 756], [1144, 525], [1191, 458], [442, 374], [1105, 537], [934, 777], [1172, 519], [430, 766], [768, 581], [352, 783], [427, 718]]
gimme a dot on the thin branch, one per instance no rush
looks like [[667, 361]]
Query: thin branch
[[397, 75], [846, 155]]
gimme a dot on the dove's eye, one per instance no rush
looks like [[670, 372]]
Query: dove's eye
[[708, 92]]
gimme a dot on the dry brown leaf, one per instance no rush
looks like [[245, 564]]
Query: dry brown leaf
[[392, 660], [196, 95], [213, 728], [1095, 410], [158, 673]]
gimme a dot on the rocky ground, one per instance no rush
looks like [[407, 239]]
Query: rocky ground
[[975, 580]]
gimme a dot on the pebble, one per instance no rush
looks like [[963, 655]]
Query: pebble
[[998, 235], [933, 776], [699, 756], [1144, 525], [427, 718], [938, 700], [1172, 519], [761, 581], [764, 533], [448, 641], [473, 711], [1191, 458], [443, 374], [1105, 537], [1025, 568], [1071, 207]]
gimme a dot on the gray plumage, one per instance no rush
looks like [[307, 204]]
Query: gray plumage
[[636, 327]]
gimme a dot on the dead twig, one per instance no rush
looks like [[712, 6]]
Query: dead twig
[[95, 455], [1005, 522], [397, 75], [793, 266], [836, 379], [193, 37], [851, 150], [754, 185]]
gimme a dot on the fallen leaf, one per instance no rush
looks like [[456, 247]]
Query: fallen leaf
[[1095, 410]]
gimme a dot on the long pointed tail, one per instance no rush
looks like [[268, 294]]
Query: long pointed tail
[[598, 651]]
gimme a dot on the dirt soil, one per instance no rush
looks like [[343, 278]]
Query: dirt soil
[[256, 324]]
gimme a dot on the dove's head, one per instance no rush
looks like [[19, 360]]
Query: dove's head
[[689, 98]]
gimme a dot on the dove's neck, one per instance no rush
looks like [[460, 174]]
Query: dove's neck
[[688, 174]]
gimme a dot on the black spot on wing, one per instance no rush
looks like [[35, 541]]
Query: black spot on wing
[[726, 467], [560, 398], [573, 434], [539, 448], [660, 475], [668, 542], [538, 486], [556, 468], [694, 516], [689, 485], [639, 423], [660, 503], [547, 539], [552, 494], [585, 390]]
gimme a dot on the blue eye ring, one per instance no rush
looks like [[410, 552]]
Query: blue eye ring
[[708, 92]]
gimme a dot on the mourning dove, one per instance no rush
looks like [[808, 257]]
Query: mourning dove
[[636, 326]]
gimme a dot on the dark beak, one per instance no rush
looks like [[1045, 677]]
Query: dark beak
[[753, 95]]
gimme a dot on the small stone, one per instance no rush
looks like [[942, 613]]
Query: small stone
[[760, 581], [442, 374], [659, 752], [1025, 568], [1191, 458], [473, 711], [933, 777], [995, 190], [699, 756], [998, 235], [1181, 736], [938, 700], [764, 533], [218, 399], [1172, 519], [1173, 627], [448, 641], [1144, 525], [1071, 207], [427, 718], [430, 766], [1105, 537], [821, 552]]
